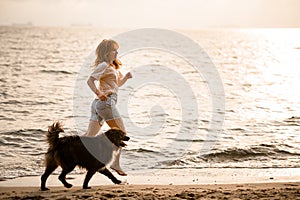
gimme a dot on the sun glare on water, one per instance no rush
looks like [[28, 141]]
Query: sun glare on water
[[278, 65]]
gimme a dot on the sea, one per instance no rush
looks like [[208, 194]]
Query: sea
[[223, 98]]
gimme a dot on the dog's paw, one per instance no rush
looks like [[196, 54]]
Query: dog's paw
[[86, 187], [68, 185], [44, 189], [117, 182]]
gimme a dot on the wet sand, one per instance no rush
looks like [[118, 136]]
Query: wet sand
[[284, 190]]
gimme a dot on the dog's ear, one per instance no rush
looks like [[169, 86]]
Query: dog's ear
[[117, 130], [114, 136]]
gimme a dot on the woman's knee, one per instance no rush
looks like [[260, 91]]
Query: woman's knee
[[116, 123]]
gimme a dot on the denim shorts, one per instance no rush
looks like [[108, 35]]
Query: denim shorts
[[105, 110]]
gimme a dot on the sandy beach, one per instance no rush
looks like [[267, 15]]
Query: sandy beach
[[166, 184], [219, 191]]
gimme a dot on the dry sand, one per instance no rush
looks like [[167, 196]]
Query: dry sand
[[266, 191]]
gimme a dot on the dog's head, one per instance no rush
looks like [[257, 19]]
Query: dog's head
[[117, 137]]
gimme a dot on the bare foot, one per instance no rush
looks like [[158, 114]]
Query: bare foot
[[120, 171]]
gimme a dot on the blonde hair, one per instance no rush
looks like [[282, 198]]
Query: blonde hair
[[103, 51], [117, 63]]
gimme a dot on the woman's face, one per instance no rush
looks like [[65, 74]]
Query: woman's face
[[113, 53]]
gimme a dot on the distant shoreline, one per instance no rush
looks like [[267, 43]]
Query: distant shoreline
[[29, 24]]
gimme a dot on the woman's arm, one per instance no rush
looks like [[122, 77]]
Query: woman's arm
[[91, 84], [96, 75], [123, 79]]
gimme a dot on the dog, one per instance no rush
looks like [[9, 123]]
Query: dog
[[95, 154]]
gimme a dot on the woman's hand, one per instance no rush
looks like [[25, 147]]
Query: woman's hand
[[123, 79], [102, 96], [128, 75]]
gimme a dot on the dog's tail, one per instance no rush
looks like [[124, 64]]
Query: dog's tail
[[53, 133]]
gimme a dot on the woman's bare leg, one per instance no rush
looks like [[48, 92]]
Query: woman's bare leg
[[117, 123], [93, 129]]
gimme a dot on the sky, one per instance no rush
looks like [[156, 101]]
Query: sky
[[153, 13]]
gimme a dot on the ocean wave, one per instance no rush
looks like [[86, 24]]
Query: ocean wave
[[142, 150], [56, 71], [292, 121], [23, 132], [22, 139], [190, 140], [7, 118], [171, 163], [11, 102], [251, 153], [260, 156]]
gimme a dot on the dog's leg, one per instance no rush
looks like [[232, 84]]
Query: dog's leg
[[107, 173], [49, 169], [88, 177], [62, 176]]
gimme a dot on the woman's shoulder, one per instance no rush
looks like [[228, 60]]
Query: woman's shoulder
[[103, 64]]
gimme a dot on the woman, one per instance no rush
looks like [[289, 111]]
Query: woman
[[110, 79]]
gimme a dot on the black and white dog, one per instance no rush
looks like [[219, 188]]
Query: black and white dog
[[70, 151]]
